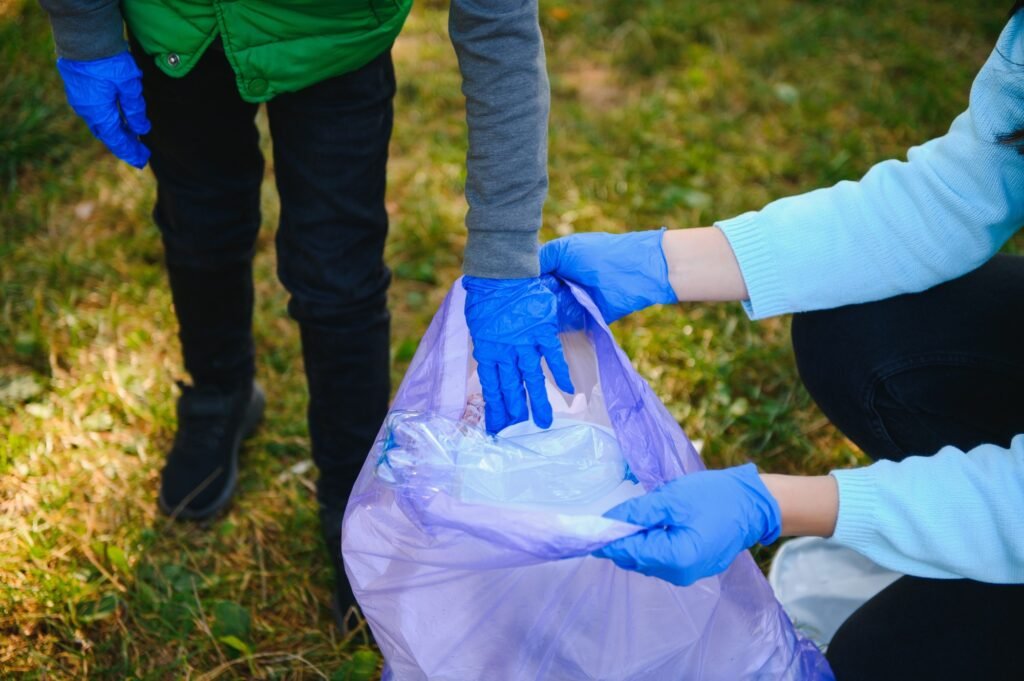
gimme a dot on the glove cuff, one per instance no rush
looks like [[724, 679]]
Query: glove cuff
[[769, 522], [668, 294]]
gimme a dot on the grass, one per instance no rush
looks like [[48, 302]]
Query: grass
[[664, 112]]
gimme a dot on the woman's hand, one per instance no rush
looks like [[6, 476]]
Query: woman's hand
[[696, 525], [622, 273]]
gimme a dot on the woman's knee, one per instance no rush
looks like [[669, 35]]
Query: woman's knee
[[840, 358], [894, 396], [815, 352], [831, 363]]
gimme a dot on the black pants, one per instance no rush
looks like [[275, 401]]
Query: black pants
[[330, 144], [906, 376]]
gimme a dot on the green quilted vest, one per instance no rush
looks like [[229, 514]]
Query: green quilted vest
[[274, 46]]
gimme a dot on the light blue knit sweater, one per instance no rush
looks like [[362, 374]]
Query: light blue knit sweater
[[905, 227]]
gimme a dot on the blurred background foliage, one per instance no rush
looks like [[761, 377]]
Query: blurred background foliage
[[665, 112]]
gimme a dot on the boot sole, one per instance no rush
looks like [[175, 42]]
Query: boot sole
[[252, 418]]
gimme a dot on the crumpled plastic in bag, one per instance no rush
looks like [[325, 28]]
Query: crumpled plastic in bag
[[572, 462]]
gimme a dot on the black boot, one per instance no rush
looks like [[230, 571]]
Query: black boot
[[343, 601], [202, 467], [349, 384]]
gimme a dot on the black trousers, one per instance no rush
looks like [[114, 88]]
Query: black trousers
[[330, 145], [907, 376]]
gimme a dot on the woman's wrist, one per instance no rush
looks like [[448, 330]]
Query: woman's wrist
[[702, 266], [809, 504]]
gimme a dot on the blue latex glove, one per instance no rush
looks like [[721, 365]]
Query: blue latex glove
[[514, 322], [571, 315], [696, 525], [107, 94], [622, 273]]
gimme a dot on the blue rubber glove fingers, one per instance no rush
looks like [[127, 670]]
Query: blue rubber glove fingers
[[669, 553], [657, 508], [719, 499], [551, 349], [696, 524], [666, 548], [571, 315], [501, 386], [133, 106], [514, 323], [533, 378], [107, 95], [622, 273]]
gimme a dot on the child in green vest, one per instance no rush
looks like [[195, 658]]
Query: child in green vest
[[184, 98]]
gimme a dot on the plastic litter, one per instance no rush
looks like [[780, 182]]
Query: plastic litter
[[469, 563], [821, 583], [572, 463]]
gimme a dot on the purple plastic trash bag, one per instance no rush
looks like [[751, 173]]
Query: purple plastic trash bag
[[463, 577]]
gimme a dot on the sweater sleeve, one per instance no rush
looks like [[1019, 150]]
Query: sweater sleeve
[[84, 30], [951, 515], [905, 226], [504, 79]]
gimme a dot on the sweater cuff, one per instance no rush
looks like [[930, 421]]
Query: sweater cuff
[[502, 255], [91, 35], [757, 265], [856, 523]]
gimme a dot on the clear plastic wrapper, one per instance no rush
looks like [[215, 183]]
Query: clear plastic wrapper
[[569, 464], [470, 556]]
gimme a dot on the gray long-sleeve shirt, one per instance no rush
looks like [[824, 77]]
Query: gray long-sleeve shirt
[[504, 79]]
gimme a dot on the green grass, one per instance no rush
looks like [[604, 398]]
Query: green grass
[[671, 113]]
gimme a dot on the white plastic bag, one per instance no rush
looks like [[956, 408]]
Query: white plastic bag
[[821, 583]]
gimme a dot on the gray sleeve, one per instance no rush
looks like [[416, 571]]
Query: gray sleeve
[[505, 81], [86, 29]]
